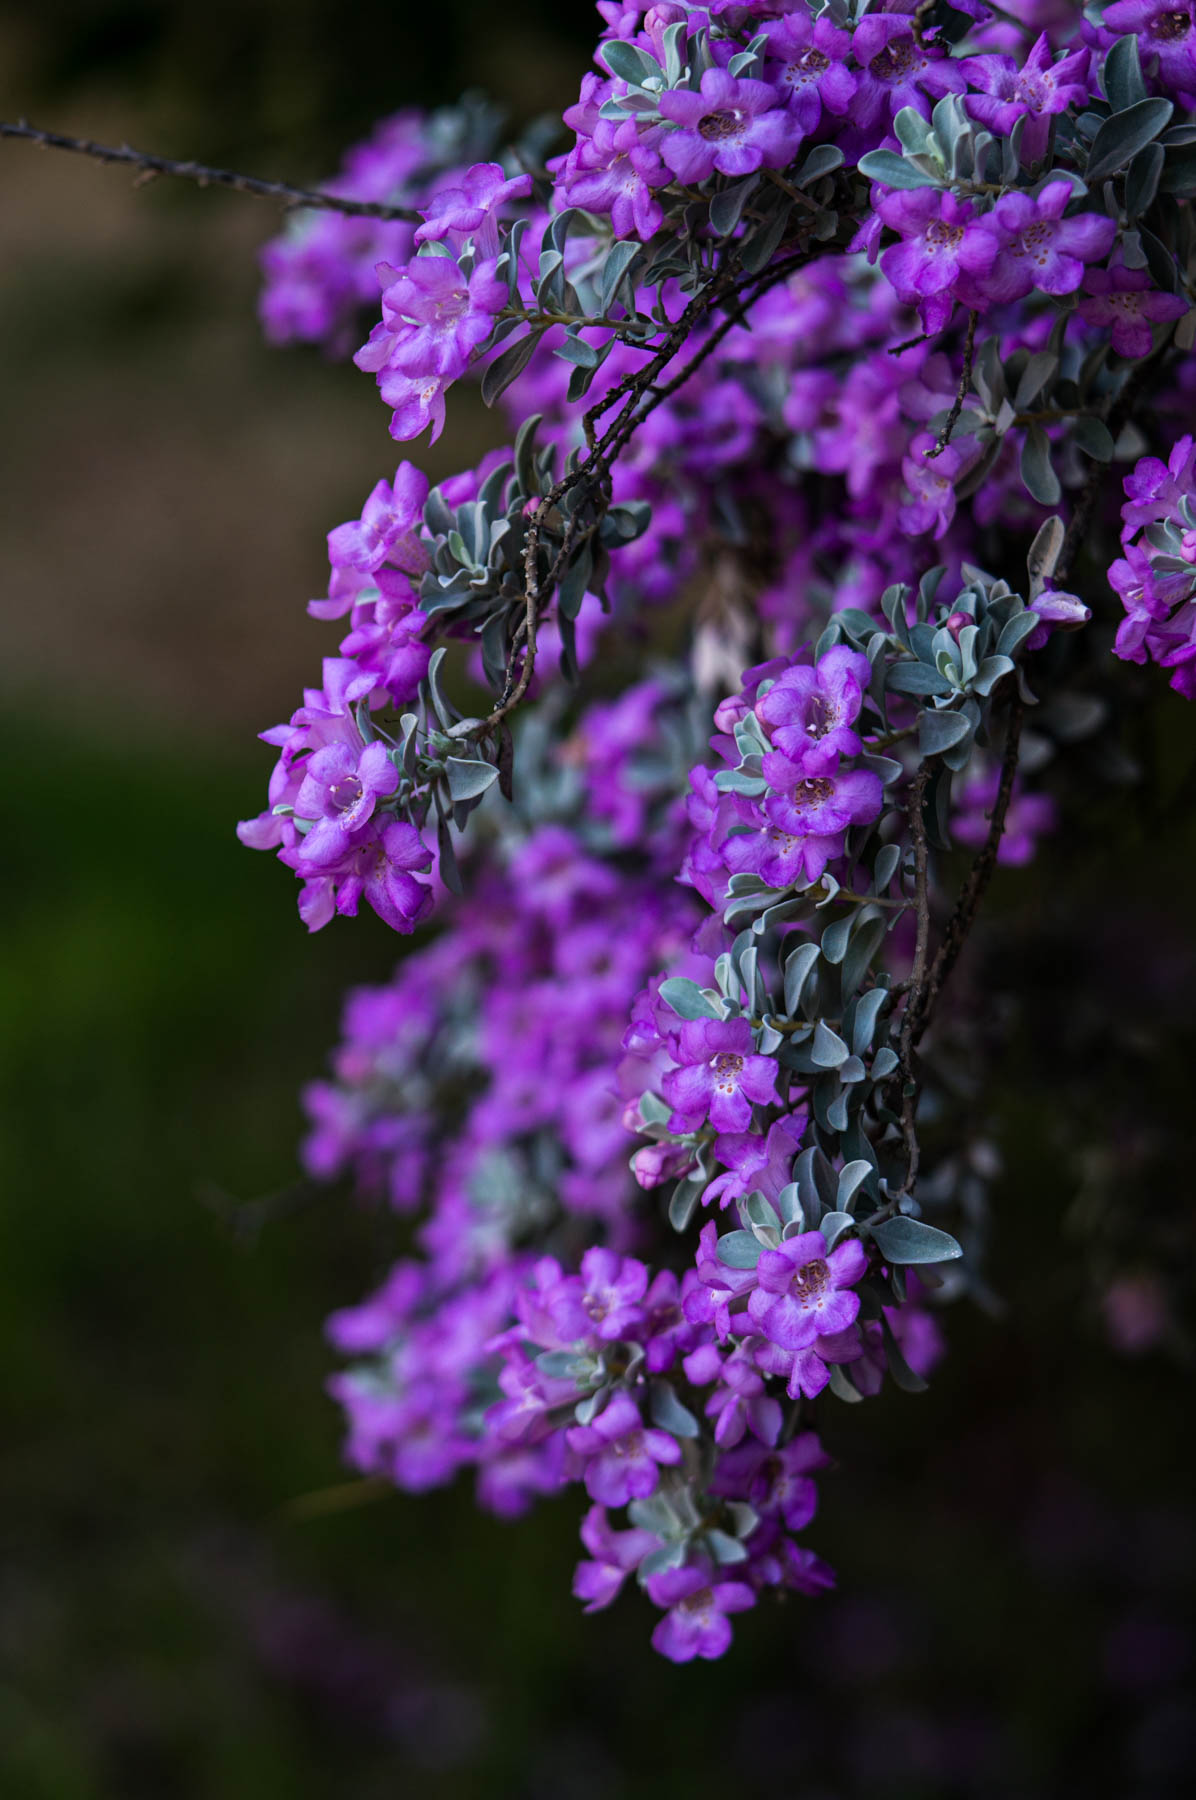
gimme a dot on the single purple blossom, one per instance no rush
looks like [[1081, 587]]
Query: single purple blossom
[[622, 1453], [380, 866], [696, 1623], [942, 242], [1154, 489], [343, 787], [806, 1372], [779, 855], [819, 805], [739, 1402], [1037, 247], [805, 60], [774, 1480], [731, 127], [387, 531], [756, 1163], [471, 209], [709, 1301], [615, 171], [896, 70], [615, 1553], [1166, 33], [720, 1076], [1035, 90], [802, 1289], [1125, 301], [931, 481], [436, 316], [810, 711]]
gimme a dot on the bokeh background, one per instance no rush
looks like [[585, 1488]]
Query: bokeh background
[[194, 1603]]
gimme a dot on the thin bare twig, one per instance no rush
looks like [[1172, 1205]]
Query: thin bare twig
[[909, 1083], [922, 1005], [149, 165], [961, 392]]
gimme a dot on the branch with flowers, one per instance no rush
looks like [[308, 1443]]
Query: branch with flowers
[[817, 345]]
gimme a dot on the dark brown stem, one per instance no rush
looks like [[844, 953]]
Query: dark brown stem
[[148, 165], [909, 1083], [922, 1004], [965, 382]]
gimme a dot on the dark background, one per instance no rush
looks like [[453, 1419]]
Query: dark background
[[191, 1603]]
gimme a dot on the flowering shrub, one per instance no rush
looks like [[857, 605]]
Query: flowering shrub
[[733, 675]]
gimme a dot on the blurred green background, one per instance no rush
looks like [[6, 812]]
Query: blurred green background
[[190, 1606]]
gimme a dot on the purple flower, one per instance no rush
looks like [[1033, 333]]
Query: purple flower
[[526, 1415], [386, 641], [720, 1077], [810, 711], [805, 62], [1154, 488], [418, 404], [1166, 31], [666, 1332], [378, 867], [340, 789], [696, 1623], [1124, 300], [615, 1554], [621, 1453], [897, 71], [1036, 90], [709, 1302], [731, 126], [801, 1294], [778, 855], [435, 316], [612, 1288], [931, 483], [806, 1372], [819, 805], [1037, 247], [943, 242], [387, 531], [739, 1402], [615, 172], [755, 1162], [774, 1481], [471, 210]]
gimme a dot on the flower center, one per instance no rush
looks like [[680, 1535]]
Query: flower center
[[895, 62], [631, 1445], [814, 793], [1035, 240], [726, 1065], [810, 1280], [345, 794], [806, 67], [718, 125], [820, 716], [700, 1604], [1172, 25], [941, 236]]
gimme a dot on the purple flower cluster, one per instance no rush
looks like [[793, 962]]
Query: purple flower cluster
[[1155, 577], [320, 274], [808, 798], [324, 818], [434, 316], [799, 455]]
